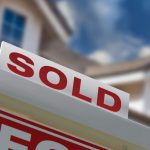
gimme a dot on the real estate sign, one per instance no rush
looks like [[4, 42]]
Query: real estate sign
[[72, 104]]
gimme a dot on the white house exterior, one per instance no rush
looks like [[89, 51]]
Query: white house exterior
[[40, 21], [33, 22]]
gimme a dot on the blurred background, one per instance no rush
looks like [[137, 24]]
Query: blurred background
[[108, 40]]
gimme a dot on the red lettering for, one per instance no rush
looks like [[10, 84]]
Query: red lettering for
[[28, 71], [101, 100], [76, 90], [43, 76]]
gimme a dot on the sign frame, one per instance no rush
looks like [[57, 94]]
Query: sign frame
[[15, 119]]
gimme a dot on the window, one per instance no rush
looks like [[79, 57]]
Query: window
[[13, 25]]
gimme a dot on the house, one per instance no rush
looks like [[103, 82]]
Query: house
[[29, 24], [39, 27], [132, 77]]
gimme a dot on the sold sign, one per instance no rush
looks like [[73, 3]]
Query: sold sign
[[20, 134], [63, 80]]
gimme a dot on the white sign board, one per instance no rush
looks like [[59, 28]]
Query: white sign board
[[63, 80]]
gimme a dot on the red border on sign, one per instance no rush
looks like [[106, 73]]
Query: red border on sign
[[51, 130]]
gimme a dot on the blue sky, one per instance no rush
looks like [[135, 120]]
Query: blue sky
[[119, 27]]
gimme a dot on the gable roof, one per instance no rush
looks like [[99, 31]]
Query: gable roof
[[118, 68], [61, 18], [54, 18]]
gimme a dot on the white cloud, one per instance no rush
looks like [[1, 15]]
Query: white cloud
[[101, 57], [146, 5], [145, 51], [109, 12], [98, 21]]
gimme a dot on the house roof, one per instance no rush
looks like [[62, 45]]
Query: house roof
[[118, 68], [59, 15], [54, 18]]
